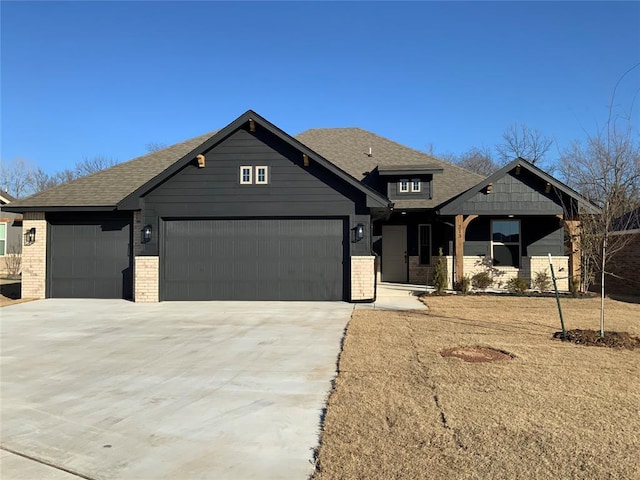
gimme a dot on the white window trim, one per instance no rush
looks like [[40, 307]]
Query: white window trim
[[519, 243], [242, 169], [403, 190], [266, 175], [420, 242], [419, 185]]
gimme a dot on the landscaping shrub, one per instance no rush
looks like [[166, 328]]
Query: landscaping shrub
[[542, 281], [440, 273], [517, 285], [482, 280], [463, 285]]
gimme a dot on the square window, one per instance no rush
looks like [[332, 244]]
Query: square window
[[403, 185], [262, 175], [415, 185], [246, 176]]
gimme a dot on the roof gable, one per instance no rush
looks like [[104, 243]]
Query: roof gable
[[460, 203], [249, 120]]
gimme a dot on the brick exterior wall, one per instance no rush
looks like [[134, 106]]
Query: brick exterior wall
[[363, 273], [146, 286], [34, 257], [625, 264]]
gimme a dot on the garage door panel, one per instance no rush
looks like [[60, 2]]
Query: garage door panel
[[274, 259], [89, 258]]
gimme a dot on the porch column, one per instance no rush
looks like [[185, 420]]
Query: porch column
[[461, 224]]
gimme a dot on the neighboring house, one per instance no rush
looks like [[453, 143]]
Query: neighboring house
[[251, 213], [10, 234], [625, 264]]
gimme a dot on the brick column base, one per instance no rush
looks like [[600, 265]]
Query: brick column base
[[146, 286], [362, 278]]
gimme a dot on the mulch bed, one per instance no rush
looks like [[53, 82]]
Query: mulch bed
[[592, 338]]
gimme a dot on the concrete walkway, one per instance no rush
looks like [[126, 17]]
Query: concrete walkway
[[108, 389], [396, 296]]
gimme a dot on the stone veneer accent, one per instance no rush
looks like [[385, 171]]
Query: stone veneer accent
[[362, 278], [34, 257], [146, 279]]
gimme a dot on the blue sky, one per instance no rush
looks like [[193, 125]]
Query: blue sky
[[81, 79]]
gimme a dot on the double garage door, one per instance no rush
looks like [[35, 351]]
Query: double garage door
[[253, 259]]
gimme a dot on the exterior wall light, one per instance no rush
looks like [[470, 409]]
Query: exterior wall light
[[358, 232], [30, 236], [146, 234]]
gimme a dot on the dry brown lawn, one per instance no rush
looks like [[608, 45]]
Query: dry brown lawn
[[557, 410]]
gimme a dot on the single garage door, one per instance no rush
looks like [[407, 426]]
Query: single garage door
[[90, 258], [253, 259]]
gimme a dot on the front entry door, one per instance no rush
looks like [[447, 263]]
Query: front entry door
[[394, 253]]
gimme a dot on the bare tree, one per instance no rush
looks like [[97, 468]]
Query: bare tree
[[155, 146], [16, 176], [478, 160], [606, 170], [518, 140], [89, 165]]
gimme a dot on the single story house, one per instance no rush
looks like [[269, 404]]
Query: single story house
[[10, 236], [252, 213]]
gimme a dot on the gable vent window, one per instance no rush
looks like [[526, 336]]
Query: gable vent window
[[403, 185], [246, 177], [262, 175], [415, 185]]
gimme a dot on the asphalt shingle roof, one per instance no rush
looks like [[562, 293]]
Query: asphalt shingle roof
[[348, 148], [108, 187]]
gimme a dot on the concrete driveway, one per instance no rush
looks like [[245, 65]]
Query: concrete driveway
[[108, 389]]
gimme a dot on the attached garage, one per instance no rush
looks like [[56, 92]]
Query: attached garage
[[254, 259], [90, 257]]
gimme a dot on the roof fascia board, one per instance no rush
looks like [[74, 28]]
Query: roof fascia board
[[133, 200], [417, 171], [455, 205], [82, 208]]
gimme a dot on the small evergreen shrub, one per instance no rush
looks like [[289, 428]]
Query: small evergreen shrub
[[517, 285], [482, 280], [463, 285], [542, 281], [440, 273]]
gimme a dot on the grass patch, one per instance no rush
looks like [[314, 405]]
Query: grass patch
[[399, 409]]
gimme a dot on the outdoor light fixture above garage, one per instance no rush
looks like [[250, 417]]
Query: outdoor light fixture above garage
[[146, 234], [358, 232]]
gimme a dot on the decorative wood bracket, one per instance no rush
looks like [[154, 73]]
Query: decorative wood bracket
[[305, 159], [252, 125], [201, 161]]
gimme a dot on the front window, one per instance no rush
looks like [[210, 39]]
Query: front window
[[262, 175], [415, 185], [404, 185], [424, 244], [3, 239], [505, 243], [245, 175]]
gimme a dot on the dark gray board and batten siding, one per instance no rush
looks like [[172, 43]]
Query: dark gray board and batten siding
[[522, 195], [310, 198]]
